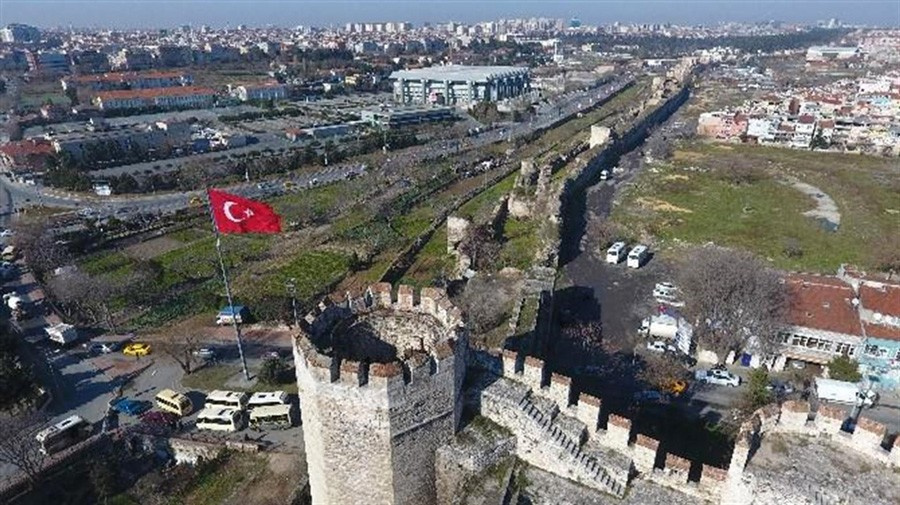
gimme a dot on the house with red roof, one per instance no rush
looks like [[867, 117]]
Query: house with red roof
[[25, 156]]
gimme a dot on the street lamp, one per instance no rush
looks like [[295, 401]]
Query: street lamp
[[291, 286]]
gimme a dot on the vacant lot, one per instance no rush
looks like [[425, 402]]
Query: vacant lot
[[740, 196]]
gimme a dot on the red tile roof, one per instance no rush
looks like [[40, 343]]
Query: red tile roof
[[126, 76], [882, 331], [31, 147], [822, 303], [154, 92], [885, 300]]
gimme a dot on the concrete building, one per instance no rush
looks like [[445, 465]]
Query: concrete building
[[124, 140], [406, 115], [380, 383], [183, 97], [132, 59], [460, 85]]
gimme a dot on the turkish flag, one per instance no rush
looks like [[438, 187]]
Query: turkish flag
[[236, 214]]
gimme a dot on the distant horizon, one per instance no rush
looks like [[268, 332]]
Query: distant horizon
[[165, 14]]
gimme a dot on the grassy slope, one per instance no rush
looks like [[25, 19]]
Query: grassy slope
[[761, 216]]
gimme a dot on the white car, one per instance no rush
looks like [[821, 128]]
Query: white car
[[718, 377], [604, 175], [660, 347]]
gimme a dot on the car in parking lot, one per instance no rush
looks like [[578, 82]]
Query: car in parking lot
[[136, 349], [661, 347], [130, 407], [205, 353], [718, 377]]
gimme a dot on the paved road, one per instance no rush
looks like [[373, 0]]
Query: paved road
[[21, 195]]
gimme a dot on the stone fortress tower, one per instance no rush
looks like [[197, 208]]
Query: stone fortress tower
[[380, 385]]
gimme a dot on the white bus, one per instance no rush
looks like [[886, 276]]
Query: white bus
[[267, 399], [220, 419], [228, 399], [615, 253], [174, 402], [63, 434], [637, 256], [273, 416]]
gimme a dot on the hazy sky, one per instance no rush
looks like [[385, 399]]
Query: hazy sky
[[169, 13]]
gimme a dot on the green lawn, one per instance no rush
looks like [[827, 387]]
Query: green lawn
[[432, 262], [482, 204], [214, 377], [521, 242], [762, 215], [314, 272]]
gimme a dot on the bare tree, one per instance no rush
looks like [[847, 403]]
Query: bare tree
[[487, 301], [660, 371], [732, 298], [38, 246], [86, 296], [18, 446], [181, 348], [482, 246]]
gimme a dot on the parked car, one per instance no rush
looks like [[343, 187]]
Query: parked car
[[136, 349], [675, 387], [718, 377], [130, 407], [649, 396], [660, 346], [205, 353], [780, 387]]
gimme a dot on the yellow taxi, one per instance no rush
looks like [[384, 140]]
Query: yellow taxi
[[676, 387], [136, 349]]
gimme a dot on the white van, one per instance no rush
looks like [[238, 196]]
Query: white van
[[638, 256], [267, 399], [616, 253], [274, 416], [228, 399], [219, 419]]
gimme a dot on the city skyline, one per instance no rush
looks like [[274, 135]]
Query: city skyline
[[288, 13]]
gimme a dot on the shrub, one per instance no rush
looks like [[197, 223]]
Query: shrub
[[843, 368]]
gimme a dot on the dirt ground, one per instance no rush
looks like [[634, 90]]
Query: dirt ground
[[285, 474], [152, 248]]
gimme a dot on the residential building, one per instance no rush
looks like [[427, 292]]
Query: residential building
[[132, 59], [181, 97], [823, 321], [24, 157], [879, 310], [48, 62], [460, 85], [127, 80], [18, 33], [825, 53], [263, 91], [174, 56]]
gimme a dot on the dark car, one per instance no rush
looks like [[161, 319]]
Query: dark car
[[130, 407]]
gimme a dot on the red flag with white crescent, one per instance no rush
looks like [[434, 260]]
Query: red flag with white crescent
[[236, 214]]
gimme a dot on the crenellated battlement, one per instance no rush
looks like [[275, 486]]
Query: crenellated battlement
[[652, 462], [386, 369], [379, 340]]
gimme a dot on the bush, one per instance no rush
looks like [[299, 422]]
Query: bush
[[274, 371], [843, 368]]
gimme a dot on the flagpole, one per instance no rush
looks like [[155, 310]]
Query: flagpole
[[237, 327]]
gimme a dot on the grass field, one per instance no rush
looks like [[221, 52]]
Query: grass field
[[757, 211]]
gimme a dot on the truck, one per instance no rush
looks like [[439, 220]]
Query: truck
[[836, 391], [62, 333], [671, 328]]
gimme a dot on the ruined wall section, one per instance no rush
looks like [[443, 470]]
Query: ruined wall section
[[371, 429]]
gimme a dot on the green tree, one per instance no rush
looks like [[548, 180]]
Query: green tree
[[819, 142], [757, 393], [843, 368]]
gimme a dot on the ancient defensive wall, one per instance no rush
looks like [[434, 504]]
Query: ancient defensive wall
[[566, 433], [380, 379]]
